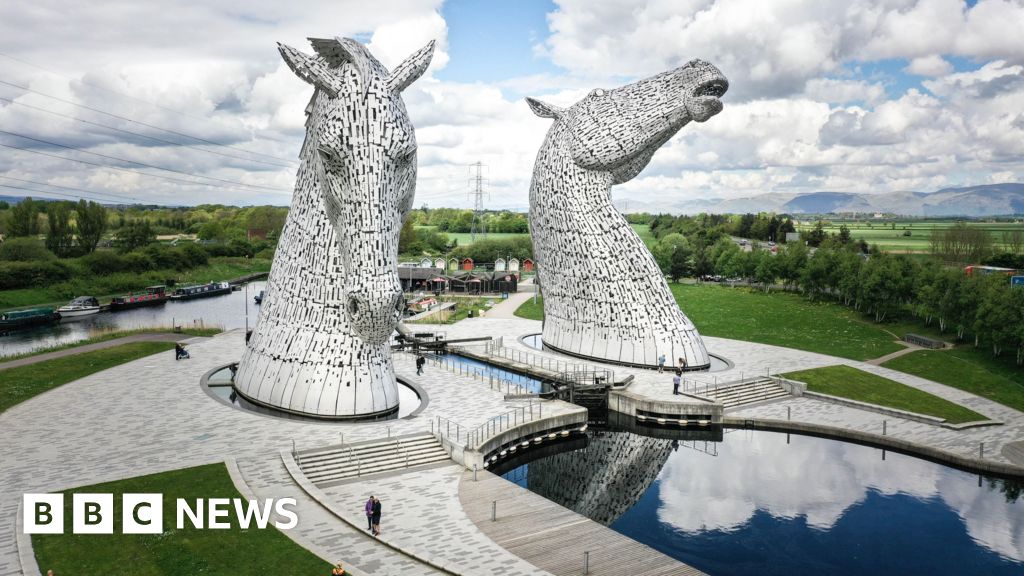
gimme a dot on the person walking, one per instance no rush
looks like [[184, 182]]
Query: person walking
[[369, 513], [676, 380], [682, 363], [661, 363], [376, 516], [420, 361]]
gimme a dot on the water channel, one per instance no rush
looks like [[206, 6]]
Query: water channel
[[228, 311], [771, 503]]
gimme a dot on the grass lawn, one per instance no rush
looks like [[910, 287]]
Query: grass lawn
[[783, 319], [465, 238], [531, 311], [20, 384], [118, 284], [100, 336], [969, 369], [848, 382], [644, 232], [174, 552], [462, 308]]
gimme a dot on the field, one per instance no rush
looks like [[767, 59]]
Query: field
[[644, 231], [188, 551], [781, 319], [970, 369], [849, 382], [465, 238], [889, 235]]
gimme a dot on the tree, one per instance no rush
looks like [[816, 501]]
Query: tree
[[844, 235], [765, 270], [997, 316], [407, 242], [816, 236], [60, 235], [24, 220], [212, 230], [135, 235], [673, 253], [790, 262], [91, 220]]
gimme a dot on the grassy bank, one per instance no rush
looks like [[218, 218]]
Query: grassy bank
[[24, 382], [101, 335], [531, 311], [453, 315], [969, 369], [103, 287], [848, 382], [175, 552]]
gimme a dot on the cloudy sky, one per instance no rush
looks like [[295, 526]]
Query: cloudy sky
[[864, 96]]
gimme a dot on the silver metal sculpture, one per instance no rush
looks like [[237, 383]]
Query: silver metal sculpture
[[604, 295], [333, 296]]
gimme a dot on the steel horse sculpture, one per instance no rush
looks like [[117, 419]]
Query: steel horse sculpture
[[333, 298], [604, 296]]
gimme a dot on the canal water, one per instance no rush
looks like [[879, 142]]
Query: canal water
[[227, 311], [771, 503]]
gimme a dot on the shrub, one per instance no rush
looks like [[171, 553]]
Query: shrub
[[24, 250], [103, 262], [137, 262], [27, 274]]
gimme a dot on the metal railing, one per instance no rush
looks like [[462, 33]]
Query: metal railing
[[473, 438], [477, 373], [496, 347]]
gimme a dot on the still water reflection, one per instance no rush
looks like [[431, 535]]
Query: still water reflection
[[765, 503], [228, 312]]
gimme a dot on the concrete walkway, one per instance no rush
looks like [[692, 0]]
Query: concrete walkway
[[883, 359], [507, 307], [143, 337]]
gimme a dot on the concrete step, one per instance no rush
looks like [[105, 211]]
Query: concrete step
[[339, 463], [749, 393]]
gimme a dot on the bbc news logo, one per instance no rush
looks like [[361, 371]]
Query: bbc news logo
[[144, 513]]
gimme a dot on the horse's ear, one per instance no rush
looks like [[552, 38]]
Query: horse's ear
[[337, 51], [543, 109], [411, 69], [310, 68]]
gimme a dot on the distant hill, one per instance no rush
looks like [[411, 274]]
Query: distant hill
[[987, 200]]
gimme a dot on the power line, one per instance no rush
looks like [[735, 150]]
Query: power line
[[70, 188], [139, 122], [171, 142], [144, 165], [56, 193], [128, 170]]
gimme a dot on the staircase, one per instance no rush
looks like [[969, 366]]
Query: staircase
[[749, 392], [336, 464]]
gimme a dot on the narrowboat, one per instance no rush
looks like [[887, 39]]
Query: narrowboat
[[154, 296], [25, 318], [203, 291], [81, 306]]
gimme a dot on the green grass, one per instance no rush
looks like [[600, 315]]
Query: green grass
[[969, 369], [531, 311], [882, 233], [175, 552], [783, 319], [104, 287], [849, 382], [462, 308], [24, 382], [777, 318], [101, 336], [644, 231], [465, 238]]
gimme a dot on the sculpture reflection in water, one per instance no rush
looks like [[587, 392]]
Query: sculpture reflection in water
[[333, 296], [604, 295], [838, 508]]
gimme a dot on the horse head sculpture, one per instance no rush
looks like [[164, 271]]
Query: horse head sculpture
[[363, 149], [604, 295]]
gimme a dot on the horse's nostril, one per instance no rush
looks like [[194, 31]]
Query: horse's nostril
[[353, 306]]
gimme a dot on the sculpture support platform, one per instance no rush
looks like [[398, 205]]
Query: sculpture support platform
[[604, 295], [320, 345]]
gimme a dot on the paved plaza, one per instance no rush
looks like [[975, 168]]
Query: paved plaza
[[151, 415]]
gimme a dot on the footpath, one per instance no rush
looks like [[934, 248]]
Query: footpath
[[142, 337]]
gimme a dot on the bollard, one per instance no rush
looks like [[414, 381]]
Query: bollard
[[586, 562], [342, 437], [494, 510], [389, 431], [981, 451], [788, 412], [884, 426], [474, 472]]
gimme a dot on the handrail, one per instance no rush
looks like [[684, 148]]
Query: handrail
[[494, 383]]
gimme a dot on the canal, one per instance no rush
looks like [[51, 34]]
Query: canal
[[228, 312]]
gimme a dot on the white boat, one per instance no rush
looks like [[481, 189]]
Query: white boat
[[81, 306]]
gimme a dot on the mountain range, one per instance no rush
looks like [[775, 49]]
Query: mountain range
[[986, 200]]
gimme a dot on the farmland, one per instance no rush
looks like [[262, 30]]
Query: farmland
[[891, 235], [465, 238]]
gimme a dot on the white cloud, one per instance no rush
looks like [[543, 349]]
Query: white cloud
[[931, 65]]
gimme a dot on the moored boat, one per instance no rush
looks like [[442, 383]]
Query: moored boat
[[25, 318], [154, 296], [81, 306], [203, 291]]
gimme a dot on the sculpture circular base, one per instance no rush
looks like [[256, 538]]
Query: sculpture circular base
[[626, 364]]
